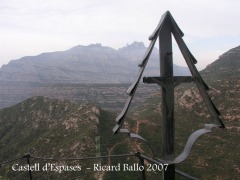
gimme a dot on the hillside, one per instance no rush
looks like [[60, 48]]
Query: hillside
[[47, 128], [227, 66], [51, 128]]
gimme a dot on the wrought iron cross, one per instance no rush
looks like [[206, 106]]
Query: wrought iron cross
[[165, 29]]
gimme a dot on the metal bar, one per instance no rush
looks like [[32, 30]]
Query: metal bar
[[159, 161], [142, 66], [29, 169], [83, 158], [201, 85], [160, 25], [168, 123], [136, 136], [175, 79], [161, 81], [138, 154], [141, 161], [190, 142], [132, 89]]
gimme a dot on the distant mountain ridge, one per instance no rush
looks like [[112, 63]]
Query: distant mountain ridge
[[82, 64], [14, 87]]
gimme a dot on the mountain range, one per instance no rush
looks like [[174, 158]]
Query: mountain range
[[92, 64]]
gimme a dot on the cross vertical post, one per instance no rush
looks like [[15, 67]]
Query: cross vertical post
[[29, 170], [168, 123]]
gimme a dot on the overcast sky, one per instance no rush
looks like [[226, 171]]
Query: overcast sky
[[30, 27]]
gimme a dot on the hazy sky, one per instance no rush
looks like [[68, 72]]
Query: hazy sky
[[30, 27]]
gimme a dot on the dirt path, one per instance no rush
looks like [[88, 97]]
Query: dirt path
[[137, 132], [102, 173], [136, 144]]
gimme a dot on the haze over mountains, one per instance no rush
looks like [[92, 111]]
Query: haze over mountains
[[82, 64], [38, 75]]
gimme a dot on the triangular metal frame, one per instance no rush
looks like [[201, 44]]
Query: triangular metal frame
[[166, 27]]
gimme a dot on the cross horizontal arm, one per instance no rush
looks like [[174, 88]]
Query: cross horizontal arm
[[176, 80]]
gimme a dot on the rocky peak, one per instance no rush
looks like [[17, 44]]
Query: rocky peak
[[137, 45], [134, 46], [95, 45], [133, 51]]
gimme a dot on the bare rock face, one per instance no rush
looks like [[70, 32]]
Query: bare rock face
[[189, 99]]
